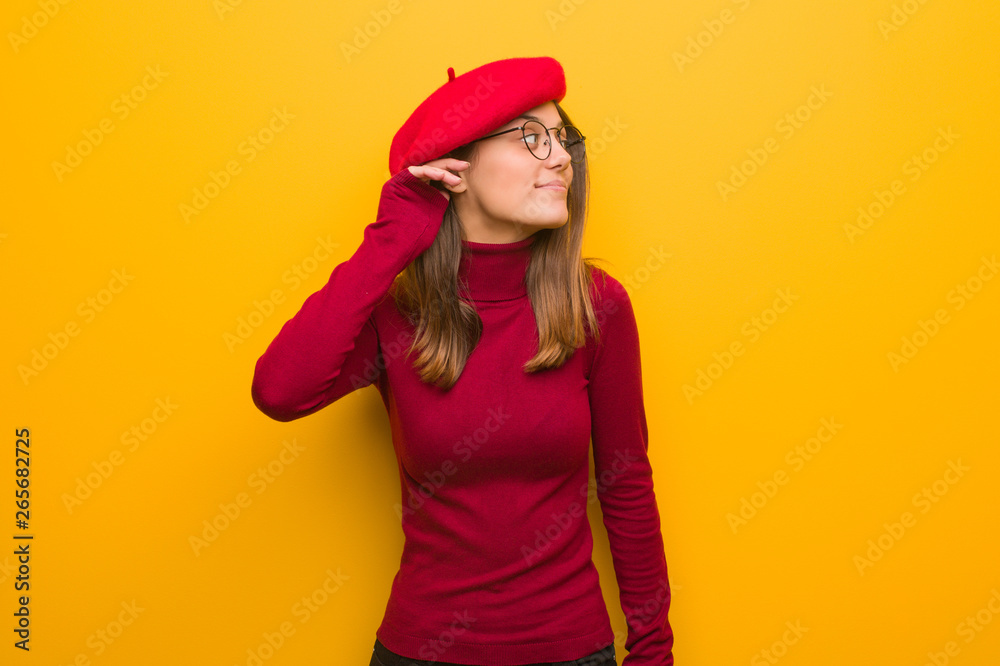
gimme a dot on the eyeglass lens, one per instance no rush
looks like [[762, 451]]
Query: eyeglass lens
[[536, 136]]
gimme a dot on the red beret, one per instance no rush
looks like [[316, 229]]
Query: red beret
[[472, 105]]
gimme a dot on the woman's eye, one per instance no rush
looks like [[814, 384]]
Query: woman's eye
[[531, 138]]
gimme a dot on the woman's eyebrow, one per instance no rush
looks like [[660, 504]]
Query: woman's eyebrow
[[528, 116]]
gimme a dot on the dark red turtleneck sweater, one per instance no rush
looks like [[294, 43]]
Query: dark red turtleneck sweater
[[496, 566]]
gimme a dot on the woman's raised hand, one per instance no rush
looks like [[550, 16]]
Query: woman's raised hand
[[440, 170]]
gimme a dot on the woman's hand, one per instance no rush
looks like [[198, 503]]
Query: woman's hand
[[440, 170]]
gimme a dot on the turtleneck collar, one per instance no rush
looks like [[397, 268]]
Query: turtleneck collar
[[495, 271]]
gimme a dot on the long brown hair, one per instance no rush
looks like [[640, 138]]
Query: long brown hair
[[558, 282]]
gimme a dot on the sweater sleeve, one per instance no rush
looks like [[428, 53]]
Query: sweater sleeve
[[625, 481], [330, 347]]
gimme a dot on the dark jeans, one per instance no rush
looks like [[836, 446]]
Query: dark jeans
[[382, 656]]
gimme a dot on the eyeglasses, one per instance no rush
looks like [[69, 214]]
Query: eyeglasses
[[570, 138]]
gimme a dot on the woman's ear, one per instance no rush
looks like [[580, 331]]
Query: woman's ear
[[440, 186], [454, 189]]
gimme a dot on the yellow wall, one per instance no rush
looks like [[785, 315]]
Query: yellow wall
[[733, 143]]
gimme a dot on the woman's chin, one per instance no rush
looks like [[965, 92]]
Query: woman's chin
[[555, 219], [548, 222]]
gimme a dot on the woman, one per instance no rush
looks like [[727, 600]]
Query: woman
[[499, 354]]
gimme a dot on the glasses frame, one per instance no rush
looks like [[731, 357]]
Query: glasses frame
[[548, 137]]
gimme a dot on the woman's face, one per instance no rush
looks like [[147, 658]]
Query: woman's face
[[507, 193]]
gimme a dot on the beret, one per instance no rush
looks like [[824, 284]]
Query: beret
[[470, 106]]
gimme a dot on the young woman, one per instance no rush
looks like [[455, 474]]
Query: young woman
[[500, 354]]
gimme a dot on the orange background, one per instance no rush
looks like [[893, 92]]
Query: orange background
[[821, 390]]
